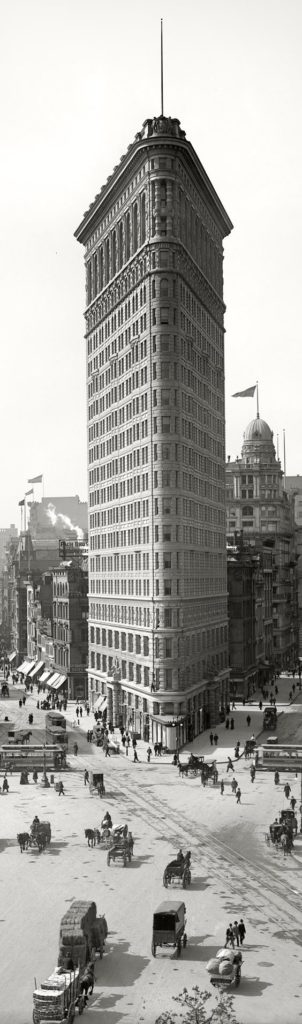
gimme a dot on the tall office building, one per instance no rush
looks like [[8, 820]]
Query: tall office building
[[158, 633]]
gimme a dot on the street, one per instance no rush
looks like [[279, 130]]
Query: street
[[234, 874]]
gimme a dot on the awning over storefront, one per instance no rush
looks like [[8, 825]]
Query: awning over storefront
[[52, 679], [168, 719], [26, 667], [12, 656], [34, 671], [59, 682], [45, 675], [101, 703]]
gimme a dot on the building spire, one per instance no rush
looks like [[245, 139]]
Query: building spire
[[161, 68]]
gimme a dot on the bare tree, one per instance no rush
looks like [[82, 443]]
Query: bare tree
[[194, 1011]]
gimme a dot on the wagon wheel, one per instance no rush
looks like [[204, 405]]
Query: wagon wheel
[[189, 877], [185, 940], [184, 880], [178, 948], [165, 880], [125, 860], [153, 949]]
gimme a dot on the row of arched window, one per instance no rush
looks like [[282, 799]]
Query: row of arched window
[[117, 249]]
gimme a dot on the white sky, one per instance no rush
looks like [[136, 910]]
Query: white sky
[[77, 80]]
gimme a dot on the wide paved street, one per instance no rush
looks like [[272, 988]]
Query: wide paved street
[[234, 874]]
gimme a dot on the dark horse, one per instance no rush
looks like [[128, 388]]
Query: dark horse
[[87, 980], [23, 838], [90, 835]]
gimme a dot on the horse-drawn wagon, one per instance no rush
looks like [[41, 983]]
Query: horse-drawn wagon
[[96, 783], [178, 870], [58, 996], [169, 926], [121, 845], [193, 766], [39, 836]]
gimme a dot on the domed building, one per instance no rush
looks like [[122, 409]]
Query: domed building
[[260, 526]]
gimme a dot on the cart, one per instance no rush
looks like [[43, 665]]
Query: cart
[[225, 968], [57, 997], [96, 783], [121, 849], [169, 923]]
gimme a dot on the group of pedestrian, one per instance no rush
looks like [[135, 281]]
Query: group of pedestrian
[[228, 723], [213, 739], [235, 933]]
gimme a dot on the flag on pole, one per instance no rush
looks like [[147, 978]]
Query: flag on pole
[[29, 492], [36, 479], [248, 393], [22, 502]]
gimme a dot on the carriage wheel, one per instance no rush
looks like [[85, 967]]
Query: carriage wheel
[[178, 948], [165, 880], [184, 881], [189, 878], [153, 949], [125, 860]]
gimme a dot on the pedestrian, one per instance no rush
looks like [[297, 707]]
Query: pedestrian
[[106, 749], [238, 795], [215, 739], [222, 787], [287, 790], [230, 766], [211, 738], [276, 691], [23, 700], [236, 932], [134, 742], [293, 803], [135, 757], [81, 711], [241, 929], [260, 705], [229, 937], [232, 723], [234, 785], [88, 735], [86, 777], [35, 775], [127, 746], [290, 695], [77, 712], [149, 752], [252, 772], [227, 724], [61, 789], [233, 706], [75, 749], [155, 750], [236, 752], [123, 739], [248, 720]]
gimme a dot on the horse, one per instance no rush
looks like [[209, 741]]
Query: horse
[[23, 838], [90, 836], [87, 981]]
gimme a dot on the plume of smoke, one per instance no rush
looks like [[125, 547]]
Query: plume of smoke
[[58, 520]]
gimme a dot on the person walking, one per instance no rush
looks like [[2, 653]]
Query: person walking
[[252, 772], [229, 937], [232, 723], [215, 739], [86, 777], [230, 766], [127, 742], [222, 787], [227, 724], [287, 790], [293, 802], [234, 785], [81, 711], [236, 932], [238, 795], [248, 720], [149, 752], [135, 757], [211, 738], [61, 790], [77, 712], [242, 931], [260, 705]]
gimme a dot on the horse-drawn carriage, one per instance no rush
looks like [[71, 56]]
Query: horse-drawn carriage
[[58, 996], [281, 835], [225, 968], [169, 926], [179, 869], [121, 845], [39, 836], [96, 783], [288, 817], [193, 766]]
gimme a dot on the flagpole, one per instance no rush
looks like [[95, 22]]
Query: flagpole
[[24, 515], [161, 68], [257, 393], [284, 459]]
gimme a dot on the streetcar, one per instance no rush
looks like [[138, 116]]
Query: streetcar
[[284, 757], [16, 757]]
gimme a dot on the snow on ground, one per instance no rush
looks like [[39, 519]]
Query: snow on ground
[[234, 874]]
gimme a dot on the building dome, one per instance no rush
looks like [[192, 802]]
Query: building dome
[[258, 430]]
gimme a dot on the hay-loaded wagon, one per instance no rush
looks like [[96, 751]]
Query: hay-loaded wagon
[[57, 997], [82, 934], [39, 836]]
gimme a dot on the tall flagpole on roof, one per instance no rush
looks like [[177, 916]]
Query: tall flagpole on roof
[[161, 68], [257, 392]]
